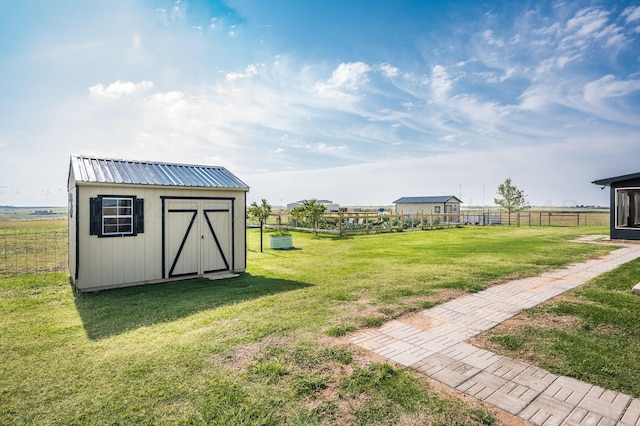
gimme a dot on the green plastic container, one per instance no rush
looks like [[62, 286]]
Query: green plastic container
[[280, 242]]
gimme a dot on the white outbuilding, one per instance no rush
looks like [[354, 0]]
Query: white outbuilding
[[447, 204], [139, 222]]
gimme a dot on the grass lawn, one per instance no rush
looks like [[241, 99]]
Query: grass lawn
[[257, 349], [591, 333]]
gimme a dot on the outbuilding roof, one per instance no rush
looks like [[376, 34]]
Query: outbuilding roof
[[616, 179], [317, 201], [431, 199], [103, 170]]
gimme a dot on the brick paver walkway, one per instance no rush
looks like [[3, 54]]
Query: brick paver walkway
[[531, 393]]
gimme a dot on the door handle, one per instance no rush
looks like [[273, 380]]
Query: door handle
[[202, 237]]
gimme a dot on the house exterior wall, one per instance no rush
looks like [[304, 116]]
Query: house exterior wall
[[97, 263]]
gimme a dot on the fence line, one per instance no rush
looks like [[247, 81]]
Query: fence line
[[32, 251], [487, 217], [366, 222]]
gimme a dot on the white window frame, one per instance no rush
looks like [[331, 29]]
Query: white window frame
[[123, 216]]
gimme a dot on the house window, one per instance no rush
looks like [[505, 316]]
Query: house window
[[628, 208], [116, 216], [436, 209]]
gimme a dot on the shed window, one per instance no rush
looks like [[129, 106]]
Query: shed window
[[117, 216], [114, 216]]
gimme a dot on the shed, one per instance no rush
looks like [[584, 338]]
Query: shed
[[624, 205], [139, 222], [446, 204]]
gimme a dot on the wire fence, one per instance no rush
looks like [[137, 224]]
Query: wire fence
[[32, 251], [540, 218]]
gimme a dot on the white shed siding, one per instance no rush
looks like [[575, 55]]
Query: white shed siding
[[73, 218], [118, 260], [115, 261]]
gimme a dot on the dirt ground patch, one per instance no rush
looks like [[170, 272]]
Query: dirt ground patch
[[406, 312]]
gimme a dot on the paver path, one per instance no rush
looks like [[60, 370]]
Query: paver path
[[438, 350]]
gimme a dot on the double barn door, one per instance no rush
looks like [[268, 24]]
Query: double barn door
[[198, 237]]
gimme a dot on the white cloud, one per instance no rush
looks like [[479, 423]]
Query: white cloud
[[534, 98], [118, 89], [587, 21], [491, 40], [347, 76], [609, 87], [480, 116], [388, 70], [631, 14], [250, 71], [325, 148], [589, 25], [550, 65], [440, 82], [168, 97]]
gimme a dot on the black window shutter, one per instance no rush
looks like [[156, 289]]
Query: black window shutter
[[138, 219], [95, 215]]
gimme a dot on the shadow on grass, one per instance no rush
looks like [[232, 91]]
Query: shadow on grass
[[112, 312], [334, 237], [274, 252]]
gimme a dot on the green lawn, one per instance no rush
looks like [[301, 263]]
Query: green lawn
[[256, 349], [591, 333]]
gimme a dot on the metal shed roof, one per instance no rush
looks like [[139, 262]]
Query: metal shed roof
[[431, 199], [103, 170]]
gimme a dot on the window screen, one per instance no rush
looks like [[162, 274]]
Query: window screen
[[628, 208]]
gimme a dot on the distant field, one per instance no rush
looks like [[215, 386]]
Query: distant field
[[8, 213]]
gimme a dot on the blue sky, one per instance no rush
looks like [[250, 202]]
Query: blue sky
[[359, 102]]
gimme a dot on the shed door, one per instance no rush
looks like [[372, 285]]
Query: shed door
[[197, 237]]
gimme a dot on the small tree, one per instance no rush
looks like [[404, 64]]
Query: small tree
[[313, 211], [511, 198], [261, 213], [297, 213]]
